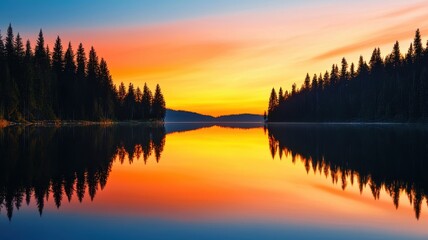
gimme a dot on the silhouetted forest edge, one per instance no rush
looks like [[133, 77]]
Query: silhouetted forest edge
[[64, 123], [391, 89], [43, 87]]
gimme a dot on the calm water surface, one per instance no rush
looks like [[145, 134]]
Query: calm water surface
[[199, 181]]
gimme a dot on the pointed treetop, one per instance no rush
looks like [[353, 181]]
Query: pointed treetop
[[352, 71], [159, 108], [57, 56], [307, 81], [396, 55], [28, 51], [280, 95], [19, 46], [273, 102], [314, 83], [10, 48], [41, 39], [409, 55], [344, 70], [69, 64], [417, 45]]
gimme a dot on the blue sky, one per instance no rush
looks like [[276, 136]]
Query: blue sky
[[28, 15]]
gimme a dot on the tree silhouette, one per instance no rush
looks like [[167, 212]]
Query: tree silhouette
[[130, 102], [146, 102], [63, 86], [158, 107], [273, 102], [393, 89], [343, 152], [87, 156]]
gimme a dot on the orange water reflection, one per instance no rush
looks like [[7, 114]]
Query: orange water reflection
[[211, 175], [223, 174]]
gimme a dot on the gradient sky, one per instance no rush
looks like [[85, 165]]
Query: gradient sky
[[224, 56]]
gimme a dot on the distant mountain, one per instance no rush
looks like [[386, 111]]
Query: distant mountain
[[240, 118], [185, 116]]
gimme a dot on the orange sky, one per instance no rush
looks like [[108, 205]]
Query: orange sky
[[228, 63]]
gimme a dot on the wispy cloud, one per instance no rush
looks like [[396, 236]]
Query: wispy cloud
[[404, 11], [388, 34]]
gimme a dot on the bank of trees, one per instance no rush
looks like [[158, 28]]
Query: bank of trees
[[394, 88], [66, 85]]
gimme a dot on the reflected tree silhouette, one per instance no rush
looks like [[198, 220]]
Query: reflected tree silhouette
[[64, 161], [376, 157]]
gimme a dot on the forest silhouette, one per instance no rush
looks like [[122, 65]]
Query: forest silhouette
[[374, 157], [44, 85], [393, 89], [68, 161]]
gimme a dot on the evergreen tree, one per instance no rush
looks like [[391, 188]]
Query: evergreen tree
[[417, 46], [158, 108], [280, 95], [138, 107], [19, 47], [2, 77], [352, 73], [273, 103], [130, 102], [307, 84], [146, 102], [81, 61], [107, 90], [314, 84], [93, 103], [10, 47], [70, 93], [57, 57], [344, 70], [59, 87], [326, 79], [293, 90], [334, 75], [122, 92], [28, 93], [120, 108], [42, 80], [396, 55]]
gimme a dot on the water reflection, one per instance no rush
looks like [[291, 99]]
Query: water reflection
[[67, 161], [373, 156]]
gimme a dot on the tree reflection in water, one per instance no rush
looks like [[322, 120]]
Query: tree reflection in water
[[393, 157], [67, 161]]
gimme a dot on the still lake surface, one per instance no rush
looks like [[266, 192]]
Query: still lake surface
[[205, 181]]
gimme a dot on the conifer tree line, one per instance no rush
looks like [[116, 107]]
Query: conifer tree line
[[394, 88], [66, 85]]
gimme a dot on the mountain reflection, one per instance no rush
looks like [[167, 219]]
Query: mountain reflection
[[67, 161], [392, 157]]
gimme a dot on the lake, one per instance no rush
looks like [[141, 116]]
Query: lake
[[208, 181]]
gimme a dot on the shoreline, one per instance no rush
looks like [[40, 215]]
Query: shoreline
[[70, 123]]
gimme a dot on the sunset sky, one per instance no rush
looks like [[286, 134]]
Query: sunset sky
[[221, 57]]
